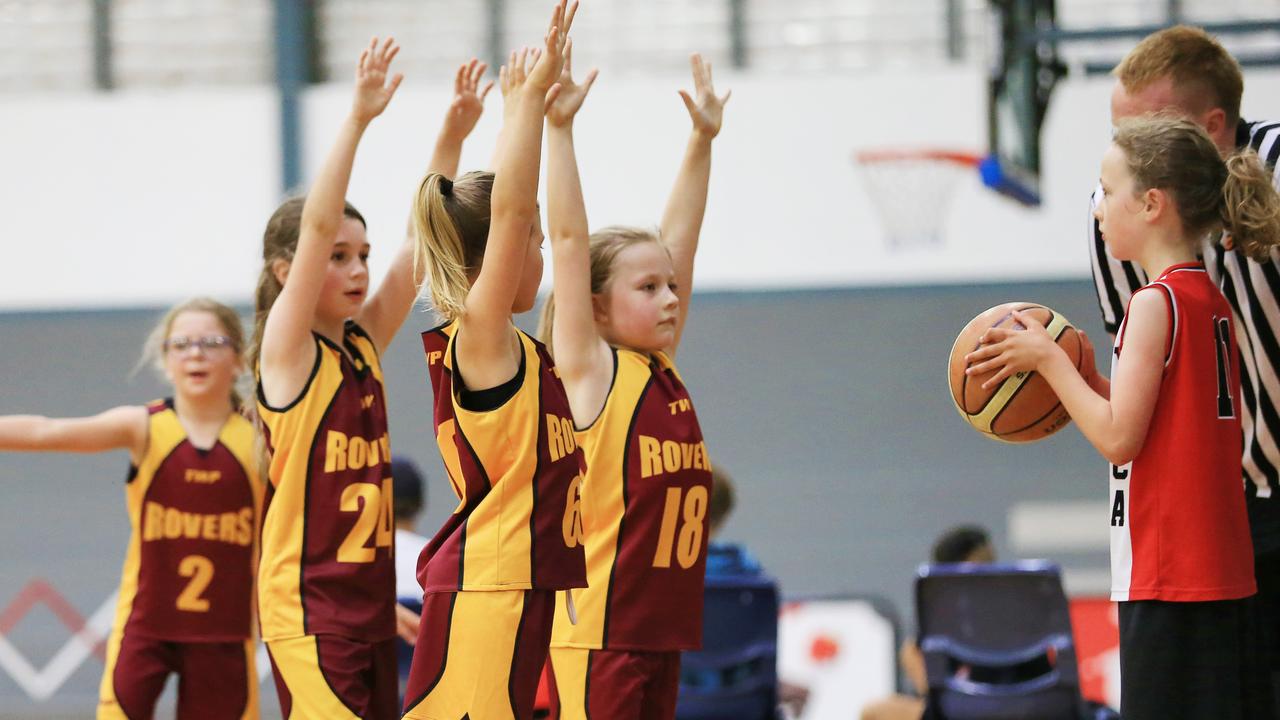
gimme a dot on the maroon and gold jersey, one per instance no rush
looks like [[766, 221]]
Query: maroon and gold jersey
[[188, 571], [517, 473], [644, 502], [327, 551]]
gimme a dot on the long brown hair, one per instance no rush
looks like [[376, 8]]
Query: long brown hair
[[1235, 194], [279, 242], [604, 247], [229, 319], [451, 224]]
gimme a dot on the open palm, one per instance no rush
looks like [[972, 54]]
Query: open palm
[[468, 99], [561, 111], [706, 109], [373, 91]]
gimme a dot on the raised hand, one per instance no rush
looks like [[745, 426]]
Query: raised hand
[[548, 64], [561, 111], [707, 109], [373, 91], [468, 101]]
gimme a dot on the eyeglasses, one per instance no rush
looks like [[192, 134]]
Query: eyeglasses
[[207, 344]]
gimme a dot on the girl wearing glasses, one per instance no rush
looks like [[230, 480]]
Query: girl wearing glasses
[[193, 497]]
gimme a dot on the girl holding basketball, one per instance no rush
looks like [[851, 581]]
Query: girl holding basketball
[[193, 495], [327, 577], [502, 422], [621, 300], [1169, 421]]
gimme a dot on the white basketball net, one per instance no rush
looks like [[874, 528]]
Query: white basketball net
[[912, 191]]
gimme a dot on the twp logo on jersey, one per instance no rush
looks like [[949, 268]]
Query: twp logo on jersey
[[659, 456], [366, 402], [434, 356], [354, 453], [560, 439], [202, 477], [681, 405]]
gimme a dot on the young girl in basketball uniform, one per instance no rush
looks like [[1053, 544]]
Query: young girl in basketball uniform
[[621, 299], [326, 583], [1168, 421], [502, 422], [193, 495]]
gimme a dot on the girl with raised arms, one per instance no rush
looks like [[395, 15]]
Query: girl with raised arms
[[502, 423], [1168, 421], [621, 299], [327, 578], [193, 496]]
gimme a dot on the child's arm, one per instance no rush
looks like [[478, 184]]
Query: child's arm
[[582, 356], [682, 219], [385, 311], [486, 343], [1117, 427], [287, 357], [121, 427], [461, 117]]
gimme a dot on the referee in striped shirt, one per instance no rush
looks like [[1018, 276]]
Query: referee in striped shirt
[[1184, 70]]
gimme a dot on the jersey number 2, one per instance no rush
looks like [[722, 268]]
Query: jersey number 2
[[375, 518], [200, 569], [689, 546], [1222, 346]]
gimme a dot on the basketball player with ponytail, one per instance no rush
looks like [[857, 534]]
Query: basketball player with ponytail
[[502, 423], [621, 300], [327, 577], [1169, 421], [193, 495]]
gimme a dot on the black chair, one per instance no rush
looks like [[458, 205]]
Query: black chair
[[735, 674], [997, 643]]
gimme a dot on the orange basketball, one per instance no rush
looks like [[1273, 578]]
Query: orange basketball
[[1023, 408]]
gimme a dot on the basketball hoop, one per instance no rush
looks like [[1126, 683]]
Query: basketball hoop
[[912, 190]]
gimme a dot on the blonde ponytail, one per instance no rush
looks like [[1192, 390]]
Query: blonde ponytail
[[451, 225], [1250, 206]]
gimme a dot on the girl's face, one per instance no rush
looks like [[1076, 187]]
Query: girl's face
[[198, 356], [346, 280], [1119, 214], [639, 307], [527, 294]]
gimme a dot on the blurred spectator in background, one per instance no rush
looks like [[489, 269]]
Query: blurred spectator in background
[[410, 500]]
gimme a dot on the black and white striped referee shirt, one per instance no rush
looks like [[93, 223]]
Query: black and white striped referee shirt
[[1253, 290]]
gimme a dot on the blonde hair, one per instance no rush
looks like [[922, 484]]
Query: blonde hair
[[451, 225], [1202, 70], [1235, 194], [279, 242], [604, 247], [229, 319]]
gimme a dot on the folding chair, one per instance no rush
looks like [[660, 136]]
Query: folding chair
[[997, 642], [734, 676]]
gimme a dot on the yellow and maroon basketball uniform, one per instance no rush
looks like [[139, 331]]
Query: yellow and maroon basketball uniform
[[186, 592], [327, 576], [515, 538], [644, 501]]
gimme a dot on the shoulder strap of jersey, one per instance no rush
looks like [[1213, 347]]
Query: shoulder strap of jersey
[[1173, 319]]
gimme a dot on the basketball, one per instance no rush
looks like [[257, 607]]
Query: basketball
[[1023, 408]]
